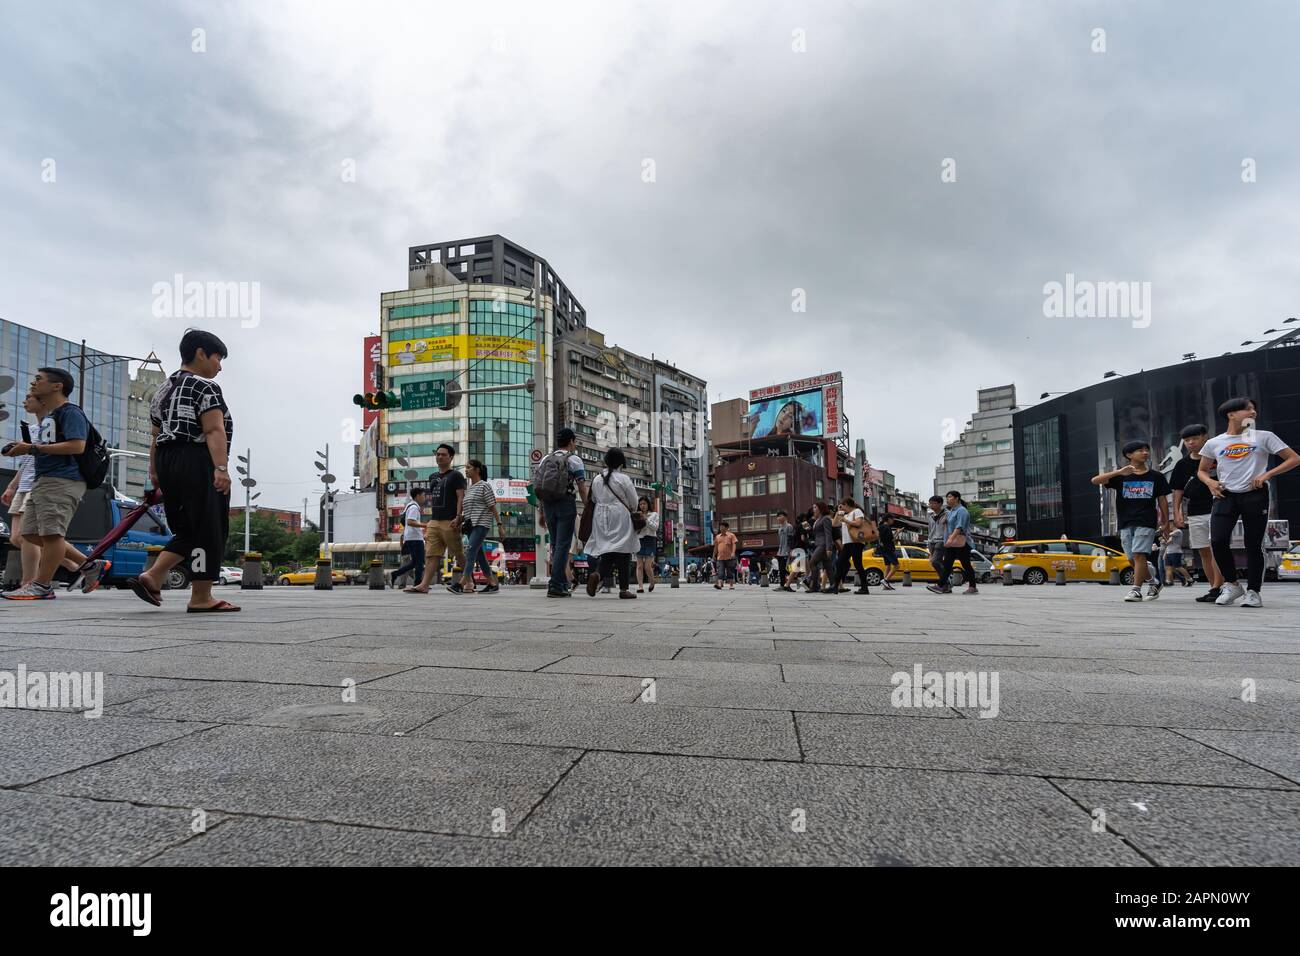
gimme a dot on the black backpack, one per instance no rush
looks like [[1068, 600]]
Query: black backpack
[[93, 460]]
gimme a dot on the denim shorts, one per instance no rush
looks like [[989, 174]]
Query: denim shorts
[[1137, 540], [647, 548]]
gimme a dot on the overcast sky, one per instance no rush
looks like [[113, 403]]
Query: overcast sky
[[775, 169]]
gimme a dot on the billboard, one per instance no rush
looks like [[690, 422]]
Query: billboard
[[803, 413], [461, 347], [372, 357], [789, 388]]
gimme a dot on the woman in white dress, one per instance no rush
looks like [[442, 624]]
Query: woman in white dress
[[649, 537], [612, 535]]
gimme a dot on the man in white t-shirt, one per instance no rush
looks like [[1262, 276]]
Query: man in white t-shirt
[[1240, 457], [412, 538]]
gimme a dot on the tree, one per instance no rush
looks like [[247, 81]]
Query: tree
[[976, 514], [277, 545]]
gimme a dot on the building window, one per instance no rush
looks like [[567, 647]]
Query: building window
[[1002, 445], [819, 489], [985, 471], [1042, 444], [753, 521], [729, 489], [983, 448], [776, 484], [753, 486]]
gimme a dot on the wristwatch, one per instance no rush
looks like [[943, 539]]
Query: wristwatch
[[224, 468]]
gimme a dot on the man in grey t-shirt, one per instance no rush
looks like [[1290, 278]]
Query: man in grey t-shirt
[[784, 541]]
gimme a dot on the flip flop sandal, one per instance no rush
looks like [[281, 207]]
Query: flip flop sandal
[[221, 607], [143, 593]]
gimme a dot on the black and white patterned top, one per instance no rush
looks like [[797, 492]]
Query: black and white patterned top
[[181, 402], [478, 503]]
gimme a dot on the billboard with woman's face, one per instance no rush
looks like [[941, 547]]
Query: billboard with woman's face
[[800, 414]]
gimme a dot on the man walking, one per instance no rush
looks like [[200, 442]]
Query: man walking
[[938, 532], [1140, 492], [956, 547], [555, 479], [724, 553], [1240, 456], [442, 531], [59, 485], [1193, 493], [412, 538]]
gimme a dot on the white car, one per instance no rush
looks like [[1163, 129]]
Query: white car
[[231, 576]]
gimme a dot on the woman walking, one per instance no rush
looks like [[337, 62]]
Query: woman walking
[[479, 505], [848, 517], [823, 543], [613, 536], [188, 458], [645, 556]]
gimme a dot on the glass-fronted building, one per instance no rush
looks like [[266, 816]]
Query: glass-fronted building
[[103, 393], [1060, 444]]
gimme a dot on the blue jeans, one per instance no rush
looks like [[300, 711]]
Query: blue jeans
[[475, 553], [560, 518]]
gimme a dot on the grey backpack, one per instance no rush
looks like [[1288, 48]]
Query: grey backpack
[[551, 477]]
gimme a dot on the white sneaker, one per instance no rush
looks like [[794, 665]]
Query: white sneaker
[[1230, 594], [1153, 591], [1252, 600], [1134, 595]]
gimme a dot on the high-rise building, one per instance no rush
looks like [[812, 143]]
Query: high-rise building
[[476, 312], [981, 463], [101, 387], [681, 403], [139, 429]]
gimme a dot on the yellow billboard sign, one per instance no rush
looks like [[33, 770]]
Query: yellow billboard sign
[[450, 348]]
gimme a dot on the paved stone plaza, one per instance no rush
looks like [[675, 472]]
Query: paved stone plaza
[[512, 729]]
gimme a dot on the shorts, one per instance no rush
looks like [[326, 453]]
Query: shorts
[[19, 503], [1198, 531], [51, 504], [727, 569], [1137, 541], [647, 548], [887, 555], [1173, 559], [440, 538]]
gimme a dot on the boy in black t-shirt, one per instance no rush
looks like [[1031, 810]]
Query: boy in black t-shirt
[[1140, 493], [1192, 492]]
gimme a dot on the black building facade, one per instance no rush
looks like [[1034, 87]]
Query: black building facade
[[1062, 442]]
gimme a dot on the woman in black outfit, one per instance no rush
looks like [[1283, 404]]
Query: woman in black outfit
[[188, 464], [823, 544]]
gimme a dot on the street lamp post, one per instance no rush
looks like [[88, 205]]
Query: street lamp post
[[681, 509], [245, 469]]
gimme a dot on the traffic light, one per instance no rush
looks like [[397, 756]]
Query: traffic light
[[377, 401]]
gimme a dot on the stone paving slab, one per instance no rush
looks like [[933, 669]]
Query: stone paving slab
[[41, 830], [1017, 747], [633, 667], [525, 686], [751, 695], [1198, 826], [384, 712], [1278, 752], [404, 783], [640, 727]]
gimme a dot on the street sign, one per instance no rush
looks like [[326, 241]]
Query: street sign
[[424, 395], [535, 455]]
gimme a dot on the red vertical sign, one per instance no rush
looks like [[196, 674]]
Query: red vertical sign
[[371, 359]]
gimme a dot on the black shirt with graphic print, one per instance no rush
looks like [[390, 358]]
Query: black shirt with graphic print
[[178, 406], [442, 494], [1183, 478], [1135, 498]]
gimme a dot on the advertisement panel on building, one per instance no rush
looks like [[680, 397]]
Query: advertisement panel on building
[[789, 388], [803, 413], [509, 489], [367, 460], [373, 356]]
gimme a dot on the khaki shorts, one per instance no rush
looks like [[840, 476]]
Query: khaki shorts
[[51, 504], [19, 502], [440, 539], [1198, 532]]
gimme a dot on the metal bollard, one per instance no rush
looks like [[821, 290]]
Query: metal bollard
[[1060, 576], [251, 580], [377, 582], [152, 551], [1008, 578], [1114, 576], [324, 575], [13, 572], [907, 579]]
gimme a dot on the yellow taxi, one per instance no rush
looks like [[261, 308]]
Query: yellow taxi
[[1035, 562], [916, 559], [1288, 569], [478, 573], [308, 576]]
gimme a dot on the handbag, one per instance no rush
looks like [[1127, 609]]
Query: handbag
[[638, 520], [866, 532]]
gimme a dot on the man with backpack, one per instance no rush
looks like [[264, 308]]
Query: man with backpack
[[65, 451], [554, 480]]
